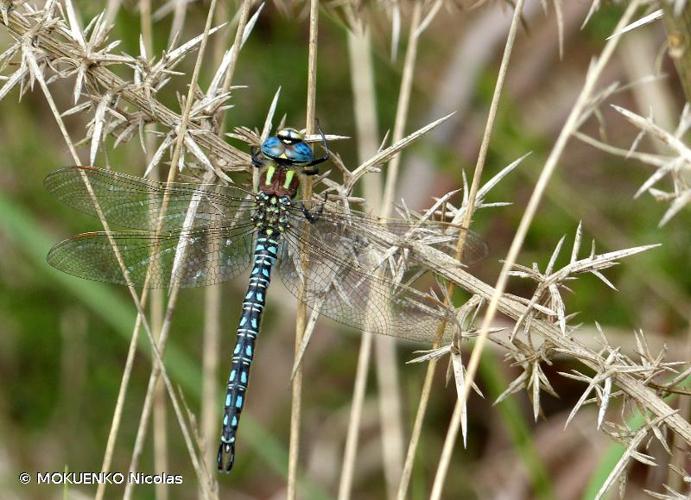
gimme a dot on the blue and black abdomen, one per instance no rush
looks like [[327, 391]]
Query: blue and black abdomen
[[265, 252]]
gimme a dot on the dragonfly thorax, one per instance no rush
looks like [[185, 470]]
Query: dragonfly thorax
[[279, 181], [270, 215]]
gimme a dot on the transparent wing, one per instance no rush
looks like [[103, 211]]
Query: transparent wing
[[135, 202], [340, 280], [210, 256], [440, 235]]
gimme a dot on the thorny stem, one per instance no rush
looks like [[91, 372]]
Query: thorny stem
[[301, 315], [447, 268], [613, 237], [225, 155], [454, 425]]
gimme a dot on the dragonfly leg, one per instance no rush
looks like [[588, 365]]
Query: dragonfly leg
[[313, 215], [257, 157], [310, 168]]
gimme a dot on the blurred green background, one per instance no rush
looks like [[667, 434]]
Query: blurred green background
[[63, 342]]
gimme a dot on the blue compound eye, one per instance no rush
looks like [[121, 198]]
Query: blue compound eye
[[272, 147], [288, 147], [300, 153]]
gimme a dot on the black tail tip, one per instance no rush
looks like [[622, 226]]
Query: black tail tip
[[226, 457]]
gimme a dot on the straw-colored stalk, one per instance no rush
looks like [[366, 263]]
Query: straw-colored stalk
[[301, 316]]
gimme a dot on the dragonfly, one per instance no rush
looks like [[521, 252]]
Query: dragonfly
[[341, 263]]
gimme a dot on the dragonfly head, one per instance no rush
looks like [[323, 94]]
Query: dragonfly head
[[288, 154], [288, 149]]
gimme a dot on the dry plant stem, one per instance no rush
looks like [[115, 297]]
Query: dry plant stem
[[301, 315], [120, 401], [365, 108], [174, 289], [455, 422], [391, 422], [153, 379], [402, 108], [417, 429], [679, 42], [112, 10], [345, 484], [447, 450], [146, 24], [242, 23], [359, 50], [203, 476], [157, 311], [568, 129], [222, 38], [157, 304], [160, 415], [385, 349], [210, 362]]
